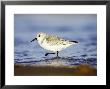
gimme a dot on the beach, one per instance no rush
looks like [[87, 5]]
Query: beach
[[80, 70]]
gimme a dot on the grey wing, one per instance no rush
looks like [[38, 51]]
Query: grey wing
[[54, 40]]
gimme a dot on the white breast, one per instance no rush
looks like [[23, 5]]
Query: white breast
[[53, 48]]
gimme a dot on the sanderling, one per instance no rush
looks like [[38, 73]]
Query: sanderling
[[52, 43]]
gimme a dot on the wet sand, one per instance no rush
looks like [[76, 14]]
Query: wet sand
[[81, 70]]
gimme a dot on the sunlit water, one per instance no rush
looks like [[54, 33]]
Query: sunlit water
[[82, 28]]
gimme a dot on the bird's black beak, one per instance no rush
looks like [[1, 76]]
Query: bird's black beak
[[34, 39]]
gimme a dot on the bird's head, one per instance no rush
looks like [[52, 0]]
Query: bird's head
[[40, 36]]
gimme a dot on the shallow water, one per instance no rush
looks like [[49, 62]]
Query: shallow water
[[82, 28]]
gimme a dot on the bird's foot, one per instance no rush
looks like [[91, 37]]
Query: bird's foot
[[48, 53]]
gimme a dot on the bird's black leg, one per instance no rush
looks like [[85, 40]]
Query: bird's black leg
[[57, 54], [48, 53]]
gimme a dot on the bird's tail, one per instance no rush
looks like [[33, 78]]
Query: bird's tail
[[75, 42]]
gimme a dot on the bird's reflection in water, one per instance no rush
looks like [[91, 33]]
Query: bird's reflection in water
[[57, 61]]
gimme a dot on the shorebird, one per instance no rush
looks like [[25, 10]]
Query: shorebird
[[52, 43]]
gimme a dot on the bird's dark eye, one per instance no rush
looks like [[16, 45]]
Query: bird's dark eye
[[39, 35]]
